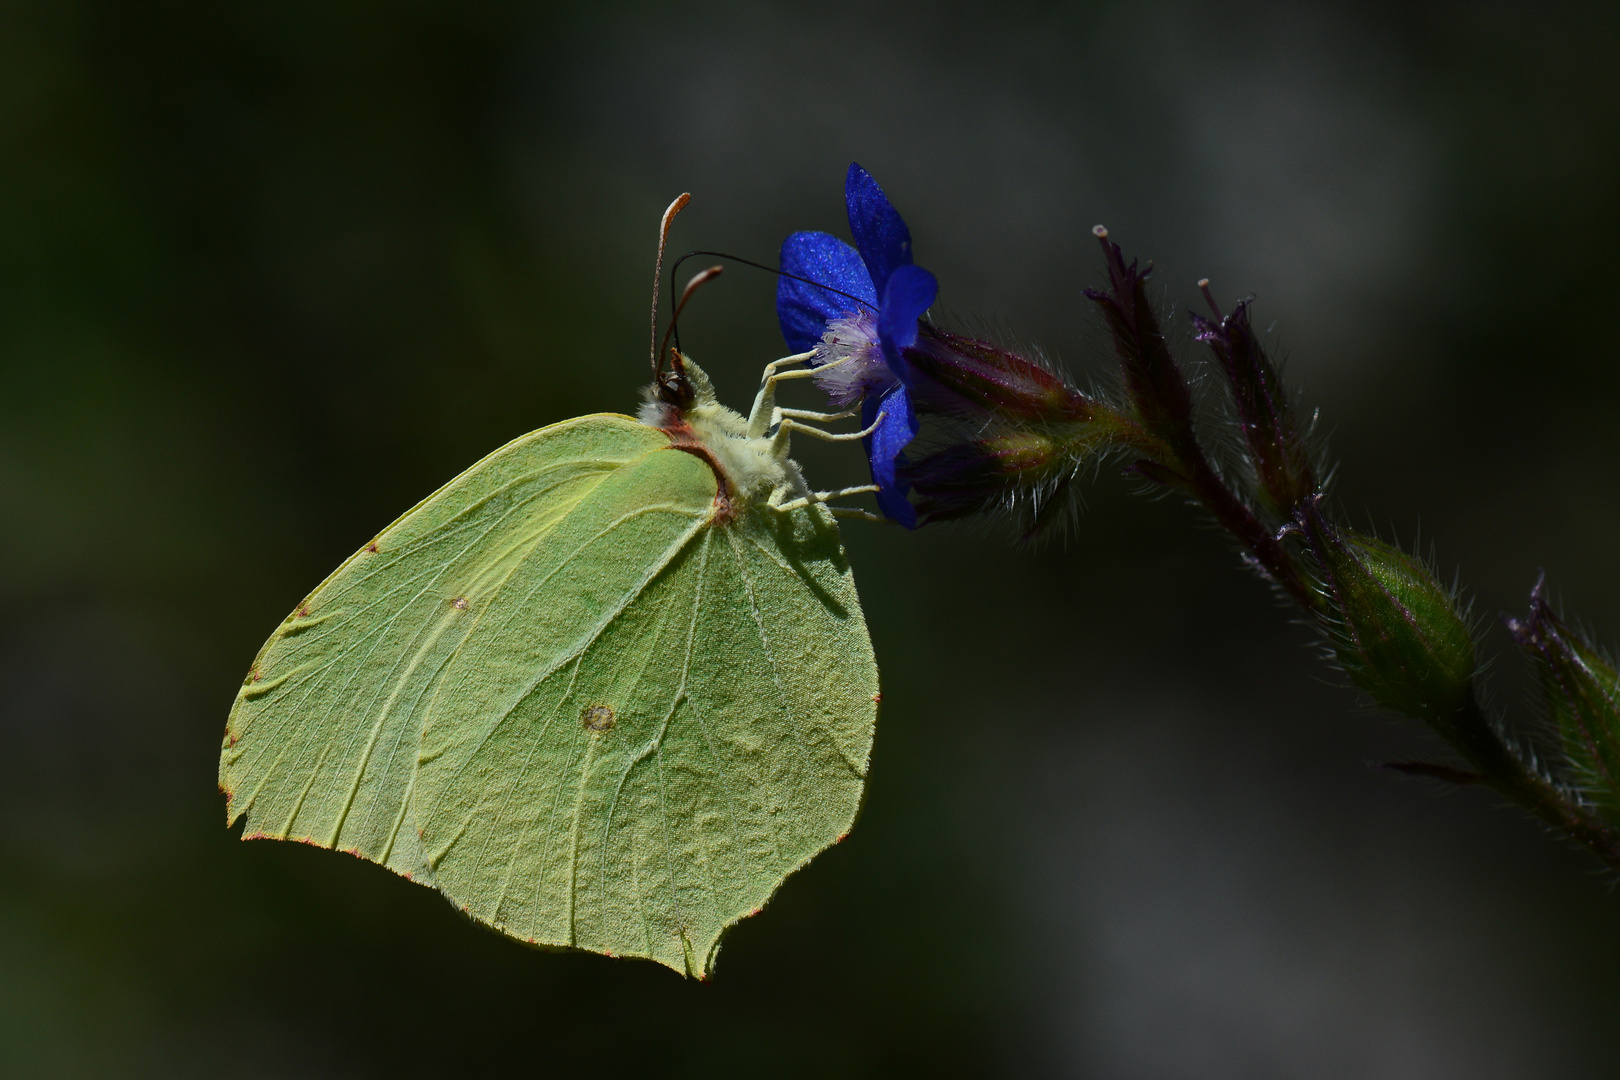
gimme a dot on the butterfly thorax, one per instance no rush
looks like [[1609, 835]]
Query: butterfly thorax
[[746, 469]]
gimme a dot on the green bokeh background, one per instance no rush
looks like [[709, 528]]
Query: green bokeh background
[[270, 272]]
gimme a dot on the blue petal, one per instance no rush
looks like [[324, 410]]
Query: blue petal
[[883, 239], [883, 448], [911, 292], [803, 309]]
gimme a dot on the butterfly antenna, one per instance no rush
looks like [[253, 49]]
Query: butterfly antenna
[[658, 275], [697, 282], [769, 270]]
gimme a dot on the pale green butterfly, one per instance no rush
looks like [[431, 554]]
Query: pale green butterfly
[[605, 689]]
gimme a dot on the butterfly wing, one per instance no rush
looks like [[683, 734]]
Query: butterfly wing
[[563, 692], [634, 773], [322, 742]]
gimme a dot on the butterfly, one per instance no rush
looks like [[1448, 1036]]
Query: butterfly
[[604, 690]]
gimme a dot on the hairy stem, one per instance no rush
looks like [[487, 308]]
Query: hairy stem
[[1503, 768]]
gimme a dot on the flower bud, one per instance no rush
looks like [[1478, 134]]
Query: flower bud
[[1396, 631], [1016, 434], [1158, 391], [1582, 691], [965, 377], [1284, 474], [1022, 469]]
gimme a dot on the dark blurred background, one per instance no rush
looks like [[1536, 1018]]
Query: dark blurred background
[[271, 272]]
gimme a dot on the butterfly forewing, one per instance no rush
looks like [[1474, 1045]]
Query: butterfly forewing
[[323, 739]]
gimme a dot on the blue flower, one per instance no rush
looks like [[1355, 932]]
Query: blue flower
[[859, 318]]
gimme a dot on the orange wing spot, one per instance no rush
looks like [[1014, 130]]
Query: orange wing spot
[[841, 838], [597, 717], [303, 612], [756, 911], [372, 547], [353, 851], [258, 836], [877, 698]]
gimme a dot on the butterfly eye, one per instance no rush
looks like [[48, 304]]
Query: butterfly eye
[[674, 388]]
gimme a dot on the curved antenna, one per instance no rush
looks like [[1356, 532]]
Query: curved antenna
[[698, 281], [769, 270], [658, 274]]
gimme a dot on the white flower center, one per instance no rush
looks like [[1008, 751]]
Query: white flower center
[[852, 360]]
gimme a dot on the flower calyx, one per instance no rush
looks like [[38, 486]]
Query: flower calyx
[[1581, 690], [1396, 631], [1284, 473]]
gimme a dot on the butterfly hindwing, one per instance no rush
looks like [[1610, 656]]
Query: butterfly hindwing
[[563, 690], [650, 779]]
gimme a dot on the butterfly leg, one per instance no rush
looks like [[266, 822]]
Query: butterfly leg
[[763, 415], [820, 417], [786, 361], [779, 442], [796, 486], [819, 497], [765, 401]]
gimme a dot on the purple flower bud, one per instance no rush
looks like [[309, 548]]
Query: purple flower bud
[[1021, 432], [1013, 470], [962, 376], [1582, 692], [1284, 474], [1397, 633], [1157, 390]]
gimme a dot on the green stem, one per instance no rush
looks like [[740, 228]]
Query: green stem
[[1502, 769], [1187, 466]]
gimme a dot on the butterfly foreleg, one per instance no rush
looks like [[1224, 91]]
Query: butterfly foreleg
[[784, 432], [763, 415], [787, 361], [759, 417]]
